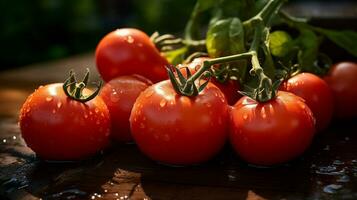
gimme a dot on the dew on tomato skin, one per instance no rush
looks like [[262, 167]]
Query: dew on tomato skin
[[162, 103], [114, 97], [54, 111], [208, 105], [130, 39], [48, 99], [245, 116], [59, 104], [149, 93], [85, 116]]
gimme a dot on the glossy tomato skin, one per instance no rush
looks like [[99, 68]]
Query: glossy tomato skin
[[230, 88], [58, 128], [342, 79], [119, 94], [273, 132], [179, 130], [129, 51], [317, 95]]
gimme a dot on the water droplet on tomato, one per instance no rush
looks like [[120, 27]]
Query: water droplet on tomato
[[4, 140], [130, 39], [114, 97], [162, 103], [41, 86], [48, 99], [140, 44], [85, 116], [14, 137], [54, 111], [332, 188], [245, 116], [142, 125], [208, 105], [96, 110], [59, 104], [264, 116]]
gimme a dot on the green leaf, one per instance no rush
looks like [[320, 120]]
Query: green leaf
[[203, 5], [225, 37], [176, 56], [345, 39], [307, 55], [280, 43]]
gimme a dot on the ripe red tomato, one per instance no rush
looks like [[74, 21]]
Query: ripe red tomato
[[129, 51], [317, 96], [56, 127], [342, 79], [272, 132], [176, 129], [120, 94], [230, 88]]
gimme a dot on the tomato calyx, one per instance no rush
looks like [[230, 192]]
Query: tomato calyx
[[74, 90]]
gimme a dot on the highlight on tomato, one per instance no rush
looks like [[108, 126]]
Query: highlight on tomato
[[128, 51], [179, 123], [65, 121], [119, 95], [342, 79], [272, 132], [317, 95]]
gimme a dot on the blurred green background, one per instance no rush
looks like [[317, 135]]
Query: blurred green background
[[41, 30]]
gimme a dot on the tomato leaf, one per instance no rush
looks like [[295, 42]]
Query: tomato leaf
[[225, 37], [309, 46], [176, 56], [280, 43], [345, 39]]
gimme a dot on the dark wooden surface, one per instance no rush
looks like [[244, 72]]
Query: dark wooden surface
[[327, 171]]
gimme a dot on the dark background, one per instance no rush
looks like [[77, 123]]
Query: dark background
[[41, 30]]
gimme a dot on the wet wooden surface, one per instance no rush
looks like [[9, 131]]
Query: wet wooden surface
[[327, 171]]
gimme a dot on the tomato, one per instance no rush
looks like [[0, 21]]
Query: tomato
[[119, 95], [342, 79], [57, 127], [230, 88], [176, 129], [272, 132], [317, 96], [129, 51]]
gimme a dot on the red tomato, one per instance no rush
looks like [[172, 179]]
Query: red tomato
[[317, 96], [129, 51], [176, 129], [230, 88], [272, 132], [120, 94], [342, 79], [56, 127]]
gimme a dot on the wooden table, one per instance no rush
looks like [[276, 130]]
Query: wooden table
[[327, 171]]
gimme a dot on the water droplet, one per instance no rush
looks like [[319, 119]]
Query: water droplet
[[92, 197], [343, 179], [130, 39], [114, 97], [48, 99], [41, 86], [245, 116], [264, 116], [4, 141], [162, 103], [85, 116], [96, 110], [142, 125], [54, 111], [116, 194], [332, 188], [208, 105], [338, 162], [14, 137], [105, 190], [59, 104]]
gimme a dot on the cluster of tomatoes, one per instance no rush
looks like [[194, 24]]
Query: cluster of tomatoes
[[68, 123]]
